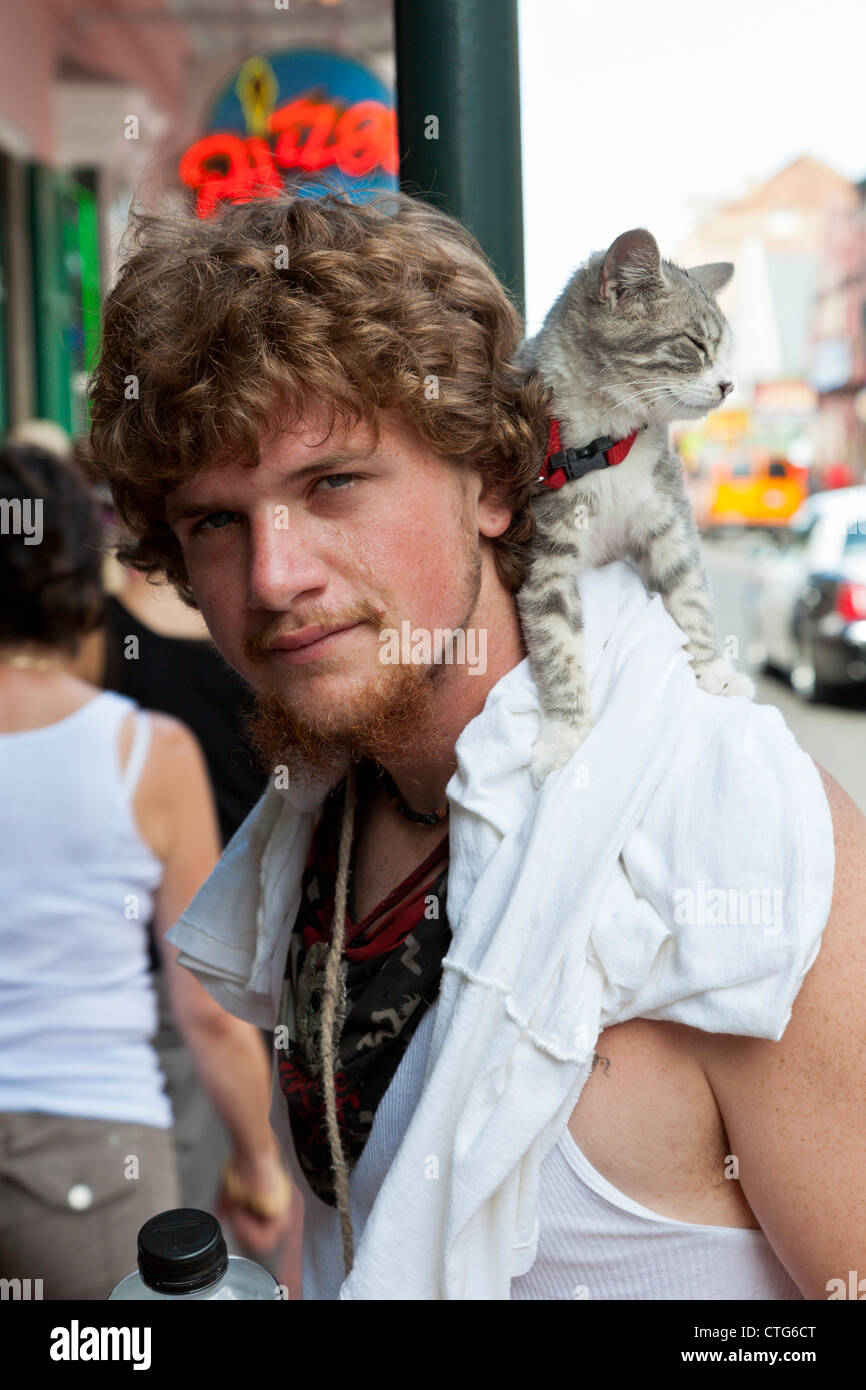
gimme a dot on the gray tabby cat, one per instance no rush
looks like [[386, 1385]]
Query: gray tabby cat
[[632, 343]]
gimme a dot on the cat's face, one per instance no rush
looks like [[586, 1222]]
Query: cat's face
[[661, 345]]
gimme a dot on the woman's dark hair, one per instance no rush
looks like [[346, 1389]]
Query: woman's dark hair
[[50, 550]]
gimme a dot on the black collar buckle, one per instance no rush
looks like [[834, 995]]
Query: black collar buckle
[[576, 462]]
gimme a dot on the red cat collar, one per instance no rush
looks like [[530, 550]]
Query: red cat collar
[[562, 465]]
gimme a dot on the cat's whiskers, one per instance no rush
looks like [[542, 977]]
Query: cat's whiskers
[[657, 381], [642, 391], [646, 386], [636, 396], [645, 393]]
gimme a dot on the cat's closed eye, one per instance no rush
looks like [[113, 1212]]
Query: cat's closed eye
[[702, 347]]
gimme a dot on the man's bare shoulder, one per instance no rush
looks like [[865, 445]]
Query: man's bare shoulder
[[795, 1110]]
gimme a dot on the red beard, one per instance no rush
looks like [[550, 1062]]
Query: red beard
[[383, 723]]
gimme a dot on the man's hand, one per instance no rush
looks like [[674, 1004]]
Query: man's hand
[[267, 1180], [795, 1110]]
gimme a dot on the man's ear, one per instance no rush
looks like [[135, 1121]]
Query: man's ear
[[494, 513]]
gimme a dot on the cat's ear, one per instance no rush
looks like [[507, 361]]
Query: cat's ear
[[632, 264], [712, 277]]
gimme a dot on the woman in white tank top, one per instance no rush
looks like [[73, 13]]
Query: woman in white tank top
[[107, 819]]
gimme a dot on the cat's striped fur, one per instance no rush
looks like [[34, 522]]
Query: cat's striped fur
[[632, 341]]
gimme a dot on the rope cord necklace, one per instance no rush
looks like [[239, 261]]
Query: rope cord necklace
[[327, 1047], [329, 1009]]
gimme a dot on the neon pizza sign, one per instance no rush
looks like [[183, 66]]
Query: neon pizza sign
[[313, 130]]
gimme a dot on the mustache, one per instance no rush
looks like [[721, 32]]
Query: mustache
[[257, 645]]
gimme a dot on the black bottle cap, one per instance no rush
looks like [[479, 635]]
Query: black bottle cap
[[181, 1251]]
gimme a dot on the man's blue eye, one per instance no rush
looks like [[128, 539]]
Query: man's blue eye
[[202, 525], [211, 522], [329, 477]]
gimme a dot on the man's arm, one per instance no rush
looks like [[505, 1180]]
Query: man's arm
[[795, 1110]]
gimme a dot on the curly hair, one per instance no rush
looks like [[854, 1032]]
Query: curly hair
[[221, 331], [57, 583]]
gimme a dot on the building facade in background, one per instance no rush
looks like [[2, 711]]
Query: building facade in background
[[795, 305], [101, 103], [838, 348]]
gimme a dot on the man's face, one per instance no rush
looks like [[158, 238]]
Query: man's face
[[336, 533]]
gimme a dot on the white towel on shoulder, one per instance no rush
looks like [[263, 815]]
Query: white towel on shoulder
[[680, 866]]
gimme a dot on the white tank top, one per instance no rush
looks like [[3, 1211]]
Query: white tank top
[[594, 1242], [77, 1005]]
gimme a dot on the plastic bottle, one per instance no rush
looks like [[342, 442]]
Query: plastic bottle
[[182, 1254]]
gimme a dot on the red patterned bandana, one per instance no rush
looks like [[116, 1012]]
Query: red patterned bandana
[[391, 971]]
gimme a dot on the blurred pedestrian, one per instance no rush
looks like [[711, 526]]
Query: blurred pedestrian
[[156, 649], [43, 434], [107, 818]]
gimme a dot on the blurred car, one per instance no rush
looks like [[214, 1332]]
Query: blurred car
[[806, 598], [834, 475], [754, 488]]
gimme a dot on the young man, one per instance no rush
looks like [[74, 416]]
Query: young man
[[308, 418]]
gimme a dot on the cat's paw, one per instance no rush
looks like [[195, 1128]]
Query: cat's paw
[[740, 685], [718, 677], [554, 746]]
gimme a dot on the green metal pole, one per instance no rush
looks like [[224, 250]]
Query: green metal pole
[[458, 116]]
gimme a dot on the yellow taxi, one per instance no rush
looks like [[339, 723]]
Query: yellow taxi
[[755, 488]]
